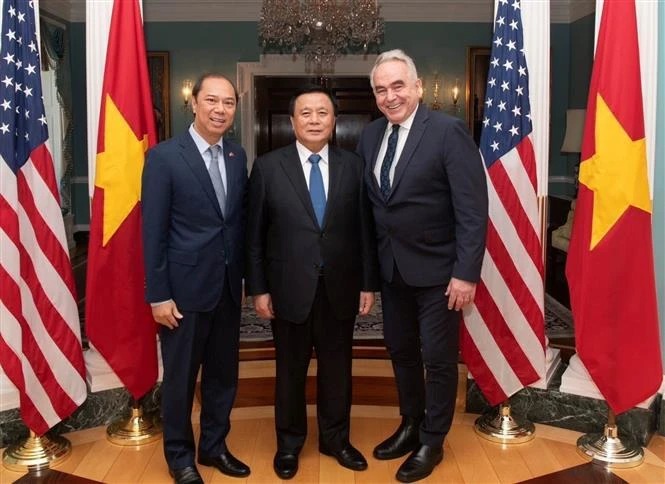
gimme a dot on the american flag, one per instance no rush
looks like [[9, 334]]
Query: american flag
[[503, 337], [40, 342]]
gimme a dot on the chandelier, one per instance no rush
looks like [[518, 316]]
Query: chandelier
[[320, 30]]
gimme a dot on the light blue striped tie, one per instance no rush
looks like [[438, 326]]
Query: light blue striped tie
[[316, 191], [216, 178]]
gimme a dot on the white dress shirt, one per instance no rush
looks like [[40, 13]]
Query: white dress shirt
[[403, 133], [202, 145], [304, 154]]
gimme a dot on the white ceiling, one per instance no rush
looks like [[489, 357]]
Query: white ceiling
[[562, 11]]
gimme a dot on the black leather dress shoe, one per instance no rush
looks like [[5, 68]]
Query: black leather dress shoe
[[348, 456], [226, 463], [405, 439], [419, 464], [186, 475], [285, 465]]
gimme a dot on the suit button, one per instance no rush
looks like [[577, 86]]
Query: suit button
[[323, 235]]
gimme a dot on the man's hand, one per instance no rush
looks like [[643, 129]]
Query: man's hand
[[263, 306], [366, 303], [167, 314], [460, 293]]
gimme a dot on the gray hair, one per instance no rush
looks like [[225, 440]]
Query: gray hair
[[394, 55]]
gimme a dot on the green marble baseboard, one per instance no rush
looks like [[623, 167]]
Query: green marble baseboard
[[573, 412]]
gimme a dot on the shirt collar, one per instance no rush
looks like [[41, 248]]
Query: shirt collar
[[407, 122], [304, 153], [201, 144]]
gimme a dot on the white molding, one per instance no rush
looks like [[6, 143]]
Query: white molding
[[562, 11], [100, 376], [9, 395], [576, 380], [70, 10], [570, 180], [576, 10], [282, 65]]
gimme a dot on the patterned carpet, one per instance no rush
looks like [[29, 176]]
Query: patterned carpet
[[558, 323]]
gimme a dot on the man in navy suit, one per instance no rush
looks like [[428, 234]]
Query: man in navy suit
[[311, 268], [193, 198], [427, 186]]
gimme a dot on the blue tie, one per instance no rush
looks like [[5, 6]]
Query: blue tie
[[388, 161], [316, 191]]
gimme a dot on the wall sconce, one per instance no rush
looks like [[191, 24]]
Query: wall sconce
[[438, 89], [186, 93], [454, 92], [435, 105]]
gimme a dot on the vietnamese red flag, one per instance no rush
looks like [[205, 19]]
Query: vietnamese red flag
[[118, 320], [610, 265]]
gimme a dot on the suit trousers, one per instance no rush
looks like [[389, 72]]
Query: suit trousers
[[332, 340], [209, 340], [421, 335]]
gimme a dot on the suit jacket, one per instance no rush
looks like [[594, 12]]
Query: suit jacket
[[433, 223], [286, 247], [188, 245]]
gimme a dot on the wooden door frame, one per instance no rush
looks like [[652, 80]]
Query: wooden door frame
[[282, 65]]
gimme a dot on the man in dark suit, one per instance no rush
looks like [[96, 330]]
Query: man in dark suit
[[427, 186], [311, 268], [193, 196]]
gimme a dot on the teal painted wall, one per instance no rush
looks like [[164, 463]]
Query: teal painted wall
[[439, 48], [196, 47], [577, 40], [559, 93], [581, 60]]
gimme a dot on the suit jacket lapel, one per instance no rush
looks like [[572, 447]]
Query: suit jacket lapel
[[293, 169], [415, 134], [231, 166], [335, 171], [375, 154], [193, 158]]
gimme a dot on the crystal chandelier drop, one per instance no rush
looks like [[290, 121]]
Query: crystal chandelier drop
[[320, 30]]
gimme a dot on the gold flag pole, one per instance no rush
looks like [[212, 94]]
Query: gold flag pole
[[137, 429], [503, 427], [608, 450], [36, 453]]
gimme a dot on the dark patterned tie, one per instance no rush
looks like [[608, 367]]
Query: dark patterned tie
[[216, 178], [316, 189], [388, 161]]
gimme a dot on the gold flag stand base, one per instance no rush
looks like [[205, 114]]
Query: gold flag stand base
[[504, 428], [138, 429], [36, 453], [608, 450]]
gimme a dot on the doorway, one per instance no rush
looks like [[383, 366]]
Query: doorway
[[273, 125]]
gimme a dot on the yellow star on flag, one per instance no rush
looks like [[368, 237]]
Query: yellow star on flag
[[616, 172], [119, 169]]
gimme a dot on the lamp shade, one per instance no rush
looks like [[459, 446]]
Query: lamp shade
[[572, 141]]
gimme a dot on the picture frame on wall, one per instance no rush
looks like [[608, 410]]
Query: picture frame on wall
[[478, 61], [158, 71]]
